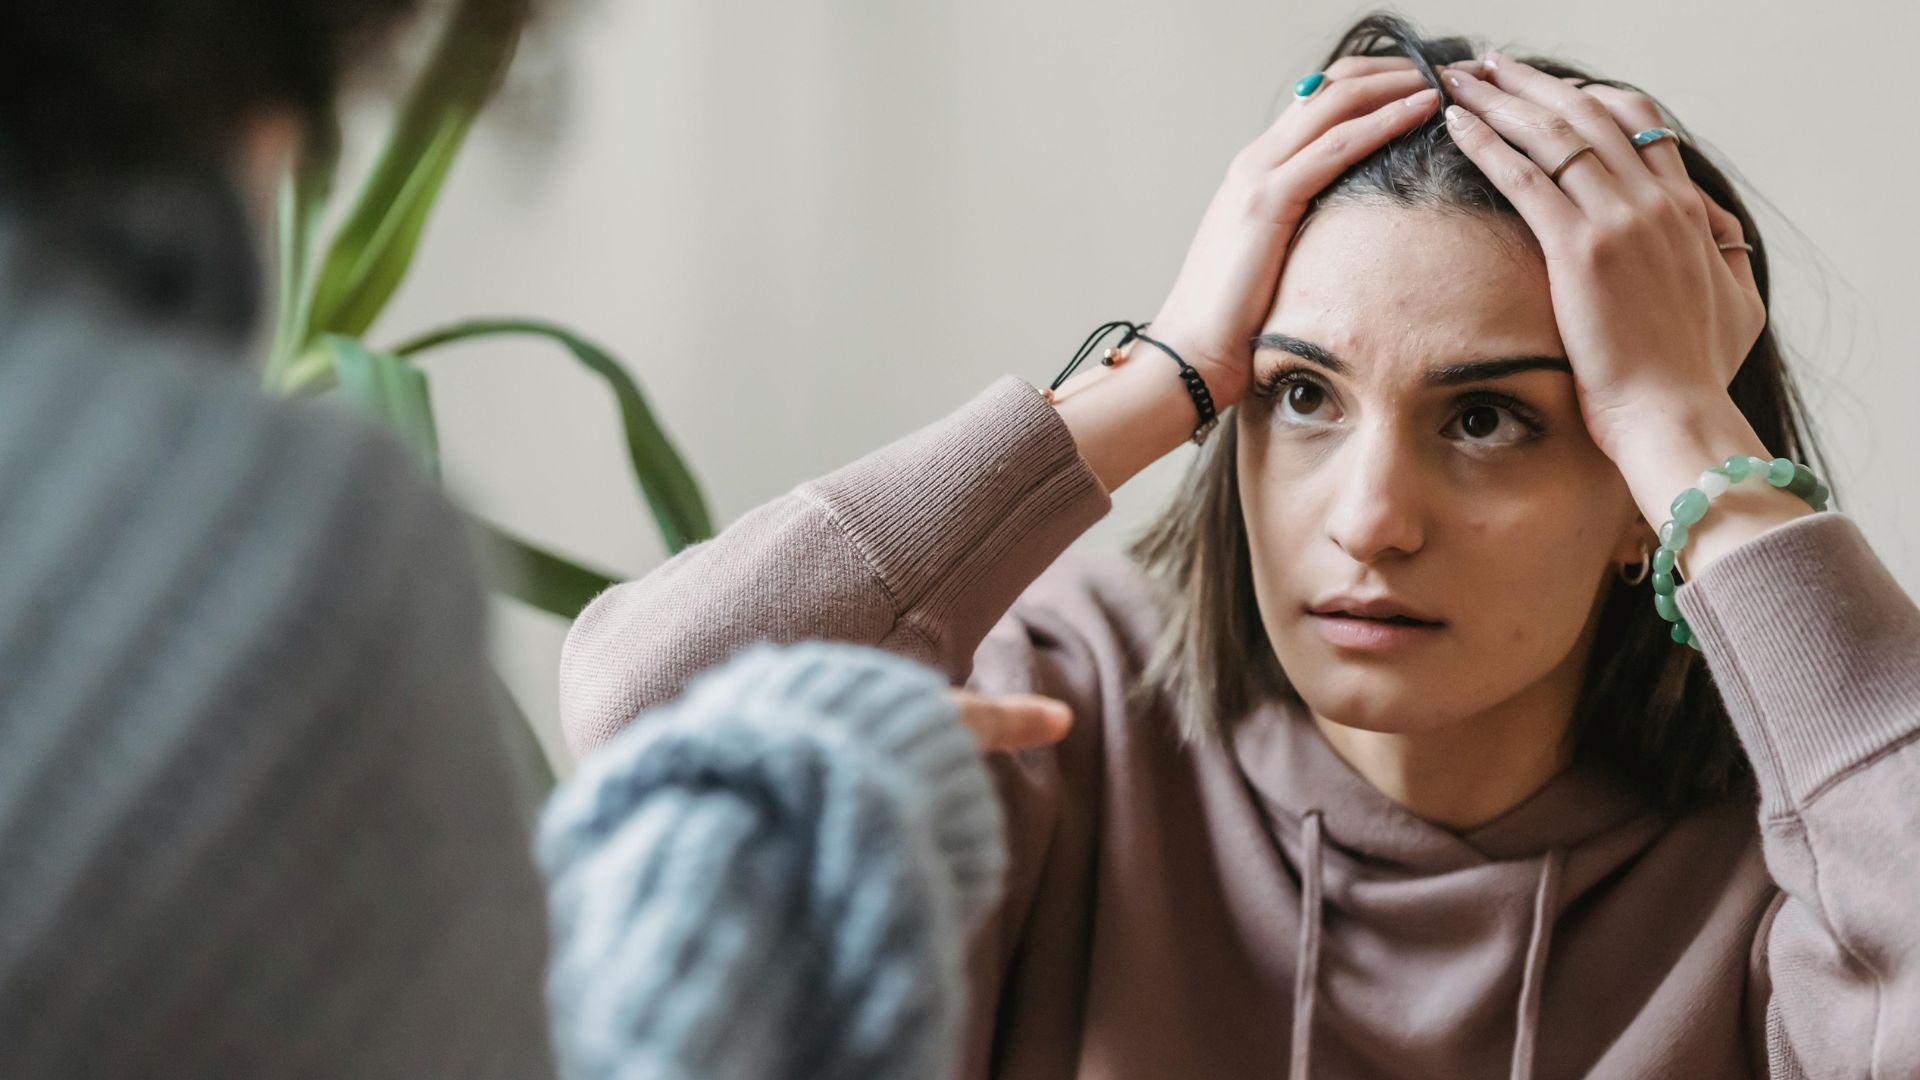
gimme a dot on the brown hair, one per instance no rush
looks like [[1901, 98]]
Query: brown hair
[[1648, 713]]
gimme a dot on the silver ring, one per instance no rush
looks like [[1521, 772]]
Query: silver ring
[[1729, 245], [1653, 135], [1568, 160]]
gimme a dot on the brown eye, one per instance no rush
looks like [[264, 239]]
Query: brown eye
[[1303, 397], [1480, 421]]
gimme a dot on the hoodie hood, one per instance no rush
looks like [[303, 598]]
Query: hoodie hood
[[1410, 924]]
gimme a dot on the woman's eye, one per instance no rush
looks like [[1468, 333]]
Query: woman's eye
[[1490, 425], [1303, 398]]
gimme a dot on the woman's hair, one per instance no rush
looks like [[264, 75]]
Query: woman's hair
[[121, 123], [1648, 713]]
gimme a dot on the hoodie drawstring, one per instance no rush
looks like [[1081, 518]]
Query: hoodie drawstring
[[1307, 956], [1306, 975], [1526, 1024]]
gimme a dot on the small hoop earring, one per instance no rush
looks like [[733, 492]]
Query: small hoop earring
[[1646, 567]]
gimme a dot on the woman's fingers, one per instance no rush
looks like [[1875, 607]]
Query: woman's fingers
[[1338, 102], [1545, 208], [1579, 110], [1550, 140], [1728, 235], [1013, 721], [1351, 67], [1348, 67], [1634, 113], [1307, 172]]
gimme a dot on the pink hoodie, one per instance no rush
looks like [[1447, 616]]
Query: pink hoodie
[[1223, 909]]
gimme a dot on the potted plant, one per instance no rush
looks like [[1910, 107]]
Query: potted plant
[[332, 289]]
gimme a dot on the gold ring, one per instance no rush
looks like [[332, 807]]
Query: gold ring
[[1568, 160]]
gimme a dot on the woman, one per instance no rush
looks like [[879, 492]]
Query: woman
[[1379, 767]]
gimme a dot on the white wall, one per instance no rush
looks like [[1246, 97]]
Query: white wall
[[811, 226]]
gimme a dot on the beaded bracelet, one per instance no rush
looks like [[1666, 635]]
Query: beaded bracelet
[[1691, 505]]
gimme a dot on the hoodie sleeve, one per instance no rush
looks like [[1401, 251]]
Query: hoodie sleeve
[[1816, 651], [917, 549]]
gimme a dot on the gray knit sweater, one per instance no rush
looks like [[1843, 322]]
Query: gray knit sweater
[[257, 818]]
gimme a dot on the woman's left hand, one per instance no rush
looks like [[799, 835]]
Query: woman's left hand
[[1655, 318]]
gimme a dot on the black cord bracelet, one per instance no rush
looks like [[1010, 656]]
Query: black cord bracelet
[[1196, 386]]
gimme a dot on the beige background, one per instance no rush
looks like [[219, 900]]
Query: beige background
[[813, 225]]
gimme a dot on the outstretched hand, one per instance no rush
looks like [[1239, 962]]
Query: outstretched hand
[[1013, 721]]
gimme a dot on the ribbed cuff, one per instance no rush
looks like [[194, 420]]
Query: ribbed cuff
[[1815, 649], [882, 716], [958, 518]]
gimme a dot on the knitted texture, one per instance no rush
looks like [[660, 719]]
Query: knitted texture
[[771, 877], [258, 818]]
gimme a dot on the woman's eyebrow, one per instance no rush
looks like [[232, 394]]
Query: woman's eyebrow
[[1305, 350], [1482, 370], [1448, 375]]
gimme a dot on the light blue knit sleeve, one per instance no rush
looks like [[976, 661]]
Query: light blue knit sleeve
[[773, 877]]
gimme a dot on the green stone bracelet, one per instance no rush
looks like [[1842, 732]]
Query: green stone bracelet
[[1691, 505]]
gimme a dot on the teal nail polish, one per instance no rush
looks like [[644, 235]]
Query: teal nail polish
[[1305, 87]]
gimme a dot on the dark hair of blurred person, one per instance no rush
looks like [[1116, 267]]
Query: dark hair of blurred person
[[131, 132]]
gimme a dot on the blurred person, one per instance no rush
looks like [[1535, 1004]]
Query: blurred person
[[258, 817], [257, 814], [1384, 760]]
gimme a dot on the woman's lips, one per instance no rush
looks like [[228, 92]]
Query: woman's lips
[[1372, 635]]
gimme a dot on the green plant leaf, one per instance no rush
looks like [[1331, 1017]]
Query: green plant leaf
[[388, 391], [303, 203], [374, 247], [668, 486], [539, 577]]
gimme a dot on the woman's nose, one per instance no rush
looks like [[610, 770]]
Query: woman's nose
[[1377, 510]]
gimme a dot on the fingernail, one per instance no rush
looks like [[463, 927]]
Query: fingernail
[[1422, 99], [1456, 116], [1452, 79], [1491, 60]]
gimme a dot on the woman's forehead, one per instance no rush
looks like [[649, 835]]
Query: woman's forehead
[[1389, 286]]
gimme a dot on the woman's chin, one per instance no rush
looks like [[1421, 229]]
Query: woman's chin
[[1369, 699], [1382, 717]]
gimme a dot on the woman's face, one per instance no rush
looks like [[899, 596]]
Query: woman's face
[[1377, 464]]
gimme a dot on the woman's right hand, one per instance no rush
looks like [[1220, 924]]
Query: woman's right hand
[[1232, 271], [1124, 418]]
